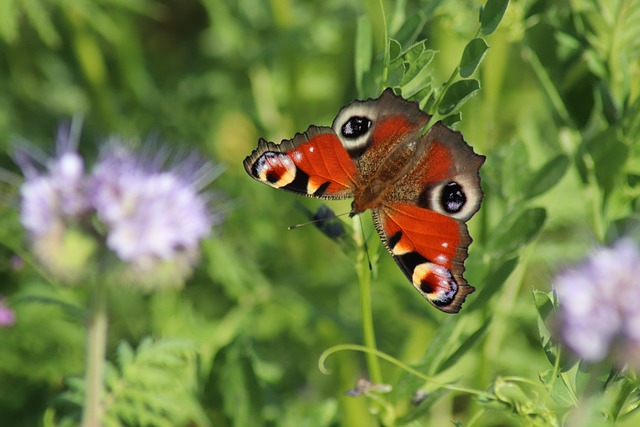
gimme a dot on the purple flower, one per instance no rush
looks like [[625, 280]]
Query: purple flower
[[149, 210], [54, 196], [599, 312], [7, 318]]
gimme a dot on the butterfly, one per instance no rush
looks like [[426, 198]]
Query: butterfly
[[421, 188]]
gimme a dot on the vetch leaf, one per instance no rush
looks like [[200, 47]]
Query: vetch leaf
[[423, 405], [491, 15], [364, 51], [452, 120], [411, 28], [439, 345], [418, 74], [547, 176], [457, 94], [473, 54], [395, 73], [493, 283], [520, 232], [514, 169], [395, 50], [557, 388], [467, 345]]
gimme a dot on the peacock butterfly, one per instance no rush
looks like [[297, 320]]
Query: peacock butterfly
[[421, 188]]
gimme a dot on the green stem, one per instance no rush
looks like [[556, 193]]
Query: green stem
[[96, 350], [375, 10], [366, 314]]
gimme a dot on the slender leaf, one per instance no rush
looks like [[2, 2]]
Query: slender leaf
[[457, 94], [557, 388], [491, 15], [492, 284], [418, 75], [473, 54], [547, 176], [411, 28], [519, 232], [364, 51], [467, 345]]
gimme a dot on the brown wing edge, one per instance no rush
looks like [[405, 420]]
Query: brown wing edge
[[464, 288], [284, 146]]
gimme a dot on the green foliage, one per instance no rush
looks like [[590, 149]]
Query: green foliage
[[153, 385], [548, 91]]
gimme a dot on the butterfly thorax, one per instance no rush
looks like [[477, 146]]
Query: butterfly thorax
[[381, 182]]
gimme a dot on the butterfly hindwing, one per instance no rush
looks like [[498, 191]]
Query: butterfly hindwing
[[422, 220], [430, 249], [313, 163]]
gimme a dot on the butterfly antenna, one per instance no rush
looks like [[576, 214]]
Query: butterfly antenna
[[314, 221]]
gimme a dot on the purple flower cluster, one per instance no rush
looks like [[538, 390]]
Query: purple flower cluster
[[7, 318], [149, 212], [599, 314], [146, 209]]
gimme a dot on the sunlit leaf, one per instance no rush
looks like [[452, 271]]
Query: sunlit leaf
[[559, 391], [457, 94], [472, 55], [418, 76], [363, 51], [517, 233], [492, 284], [469, 343], [410, 29], [491, 15], [547, 176]]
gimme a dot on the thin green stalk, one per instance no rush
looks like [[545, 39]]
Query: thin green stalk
[[375, 10], [547, 84], [366, 314], [96, 350]]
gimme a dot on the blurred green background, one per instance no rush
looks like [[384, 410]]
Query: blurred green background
[[560, 85]]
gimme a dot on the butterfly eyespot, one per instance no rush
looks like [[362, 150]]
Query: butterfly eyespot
[[452, 198], [355, 127]]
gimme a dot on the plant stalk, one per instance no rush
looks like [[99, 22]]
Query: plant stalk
[[366, 314], [96, 350]]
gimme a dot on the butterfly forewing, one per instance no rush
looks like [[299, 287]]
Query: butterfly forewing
[[314, 164]]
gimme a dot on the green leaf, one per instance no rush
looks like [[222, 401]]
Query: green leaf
[[491, 15], [418, 75], [492, 284], [473, 54], [407, 384], [609, 155], [452, 119], [546, 304], [610, 106], [125, 354], [395, 73], [364, 51], [558, 390], [395, 50], [9, 20], [467, 345], [511, 237], [457, 94], [513, 162], [422, 406], [410, 29], [547, 176]]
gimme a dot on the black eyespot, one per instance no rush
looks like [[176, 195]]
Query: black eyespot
[[356, 126], [452, 198]]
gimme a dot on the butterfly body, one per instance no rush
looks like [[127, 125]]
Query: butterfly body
[[420, 188]]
